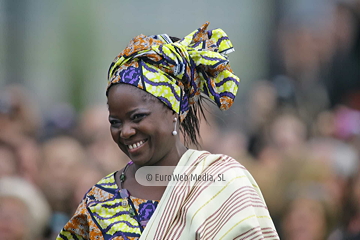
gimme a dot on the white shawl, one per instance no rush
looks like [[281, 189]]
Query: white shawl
[[234, 210]]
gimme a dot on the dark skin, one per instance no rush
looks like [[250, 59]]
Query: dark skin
[[141, 125]]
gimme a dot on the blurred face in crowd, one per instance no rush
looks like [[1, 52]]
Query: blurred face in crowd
[[94, 127], [305, 220], [14, 219], [93, 123], [20, 156], [234, 145], [288, 132], [29, 154], [8, 166], [61, 161], [262, 100], [141, 125], [89, 177]]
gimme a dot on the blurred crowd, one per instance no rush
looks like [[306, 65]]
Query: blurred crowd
[[297, 132]]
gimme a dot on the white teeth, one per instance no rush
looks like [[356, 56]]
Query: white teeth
[[136, 145]]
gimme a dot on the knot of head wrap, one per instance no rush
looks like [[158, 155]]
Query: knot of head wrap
[[178, 72]]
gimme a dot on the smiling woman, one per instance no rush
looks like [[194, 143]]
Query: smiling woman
[[142, 128], [155, 89]]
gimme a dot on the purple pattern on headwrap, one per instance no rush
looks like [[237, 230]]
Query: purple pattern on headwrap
[[130, 75], [197, 44], [167, 58], [166, 102], [184, 105], [163, 84], [150, 69], [225, 50], [193, 64], [228, 94], [213, 59], [221, 39], [225, 80], [211, 90]]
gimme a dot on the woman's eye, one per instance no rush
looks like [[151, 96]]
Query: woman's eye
[[114, 123], [139, 116]]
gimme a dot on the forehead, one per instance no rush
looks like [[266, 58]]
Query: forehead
[[125, 95]]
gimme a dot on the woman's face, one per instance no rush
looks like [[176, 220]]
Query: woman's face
[[141, 125]]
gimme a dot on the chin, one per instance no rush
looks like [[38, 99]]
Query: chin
[[139, 160]]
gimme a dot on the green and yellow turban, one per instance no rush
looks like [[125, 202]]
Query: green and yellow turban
[[178, 72]]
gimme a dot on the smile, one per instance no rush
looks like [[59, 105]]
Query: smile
[[136, 145]]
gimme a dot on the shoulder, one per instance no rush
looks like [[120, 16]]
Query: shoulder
[[107, 181], [231, 168], [228, 165], [103, 189], [220, 160]]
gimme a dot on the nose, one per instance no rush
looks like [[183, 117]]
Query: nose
[[127, 131]]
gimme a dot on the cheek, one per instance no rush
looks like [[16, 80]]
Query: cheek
[[159, 132], [114, 134], [166, 125], [166, 129]]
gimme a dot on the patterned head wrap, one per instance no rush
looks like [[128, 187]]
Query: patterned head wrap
[[177, 72]]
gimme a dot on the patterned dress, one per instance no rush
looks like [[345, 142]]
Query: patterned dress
[[105, 213]]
